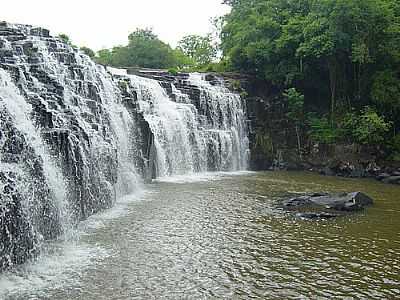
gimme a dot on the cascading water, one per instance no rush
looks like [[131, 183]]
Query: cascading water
[[36, 178], [65, 140], [225, 123], [176, 137], [194, 136], [74, 137]]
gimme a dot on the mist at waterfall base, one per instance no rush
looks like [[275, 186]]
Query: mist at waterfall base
[[76, 139]]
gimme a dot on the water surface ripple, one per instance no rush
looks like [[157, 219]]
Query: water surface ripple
[[226, 238]]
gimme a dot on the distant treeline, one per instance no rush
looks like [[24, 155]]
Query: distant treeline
[[336, 62]]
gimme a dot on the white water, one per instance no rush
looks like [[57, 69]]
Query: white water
[[188, 141], [20, 111], [226, 122], [103, 120], [120, 121]]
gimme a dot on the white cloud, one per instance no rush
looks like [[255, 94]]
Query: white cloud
[[99, 23]]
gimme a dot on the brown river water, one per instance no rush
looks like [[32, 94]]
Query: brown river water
[[223, 236]]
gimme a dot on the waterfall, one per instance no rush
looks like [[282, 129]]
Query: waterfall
[[65, 141], [41, 186], [194, 136], [74, 136], [176, 138]]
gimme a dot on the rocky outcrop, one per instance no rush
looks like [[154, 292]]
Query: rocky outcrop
[[323, 205]]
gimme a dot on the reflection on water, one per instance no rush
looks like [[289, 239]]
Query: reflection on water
[[226, 238]]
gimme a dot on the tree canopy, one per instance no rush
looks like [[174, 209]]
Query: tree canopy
[[198, 48], [343, 55], [144, 49]]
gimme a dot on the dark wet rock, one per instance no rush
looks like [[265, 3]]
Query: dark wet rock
[[316, 215], [340, 202], [327, 171], [392, 180], [372, 168], [38, 31], [17, 239], [358, 172], [382, 176]]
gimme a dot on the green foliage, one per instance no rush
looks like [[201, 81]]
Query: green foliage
[[295, 105], [104, 57], [394, 147], [343, 54], [173, 71], [366, 128], [370, 128], [386, 90], [321, 130], [143, 50], [183, 61], [89, 52], [65, 38], [236, 85], [198, 48]]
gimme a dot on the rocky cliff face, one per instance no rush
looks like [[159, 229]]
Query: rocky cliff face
[[74, 136], [62, 125], [273, 141]]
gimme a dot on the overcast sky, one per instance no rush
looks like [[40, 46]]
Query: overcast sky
[[106, 23]]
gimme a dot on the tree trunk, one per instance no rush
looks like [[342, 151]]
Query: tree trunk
[[298, 141]]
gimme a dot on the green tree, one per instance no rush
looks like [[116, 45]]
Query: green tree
[[65, 38], [198, 48], [343, 54], [89, 52], [144, 50], [295, 112], [104, 57], [370, 128]]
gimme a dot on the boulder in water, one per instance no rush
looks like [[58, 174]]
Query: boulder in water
[[392, 180], [323, 205]]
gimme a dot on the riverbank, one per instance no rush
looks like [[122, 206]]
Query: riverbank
[[349, 161]]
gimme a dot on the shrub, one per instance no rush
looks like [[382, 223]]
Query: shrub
[[321, 130], [173, 71], [370, 128]]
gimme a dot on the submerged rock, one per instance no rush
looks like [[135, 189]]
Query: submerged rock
[[315, 215]]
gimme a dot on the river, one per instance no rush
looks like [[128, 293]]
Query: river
[[223, 235]]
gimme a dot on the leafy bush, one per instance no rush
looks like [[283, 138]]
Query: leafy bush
[[173, 71], [321, 130], [394, 148], [370, 128], [295, 105]]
